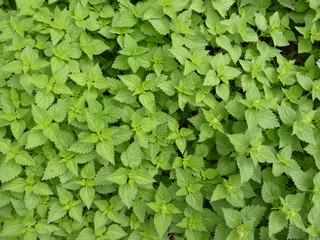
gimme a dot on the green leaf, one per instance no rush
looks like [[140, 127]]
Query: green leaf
[[222, 6], [261, 22], [263, 154], [119, 176], [116, 232], [25, 159], [162, 223], [132, 157], [246, 168], [276, 222], [304, 81], [206, 132], [76, 212], [35, 138], [162, 25], [147, 100], [223, 91], [249, 35], [270, 192], [9, 170], [304, 45], [232, 217], [267, 119], [163, 194], [294, 201], [16, 185], [142, 176], [86, 234], [87, 195], [195, 200], [287, 114], [303, 180], [81, 147], [219, 193], [279, 39], [17, 128], [12, 67], [56, 211], [106, 150], [95, 123], [43, 99], [314, 150], [275, 20], [251, 116], [41, 188], [304, 132], [235, 108], [88, 171], [211, 79], [124, 18], [131, 81], [288, 3], [127, 194], [100, 219], [64, 195], [240, 142]]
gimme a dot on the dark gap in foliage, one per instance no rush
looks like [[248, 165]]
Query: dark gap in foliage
[[10, 4], [267, 40], [106, 93], [291, 52], [184, 116], [206, 203], [172, 235], [155, 185], [274, 62], [231, 118], [193, 113], [165, 173], [179, 154], [212, 50], [316, 103], [244, 44]]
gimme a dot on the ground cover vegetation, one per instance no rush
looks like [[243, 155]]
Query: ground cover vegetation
[[159, 119]]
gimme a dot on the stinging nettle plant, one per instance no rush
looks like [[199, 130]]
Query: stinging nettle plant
[[159, 119]]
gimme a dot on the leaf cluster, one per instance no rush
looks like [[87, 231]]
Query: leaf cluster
[[159, 119]]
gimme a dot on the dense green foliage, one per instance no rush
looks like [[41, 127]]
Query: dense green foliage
[[159, 119]]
